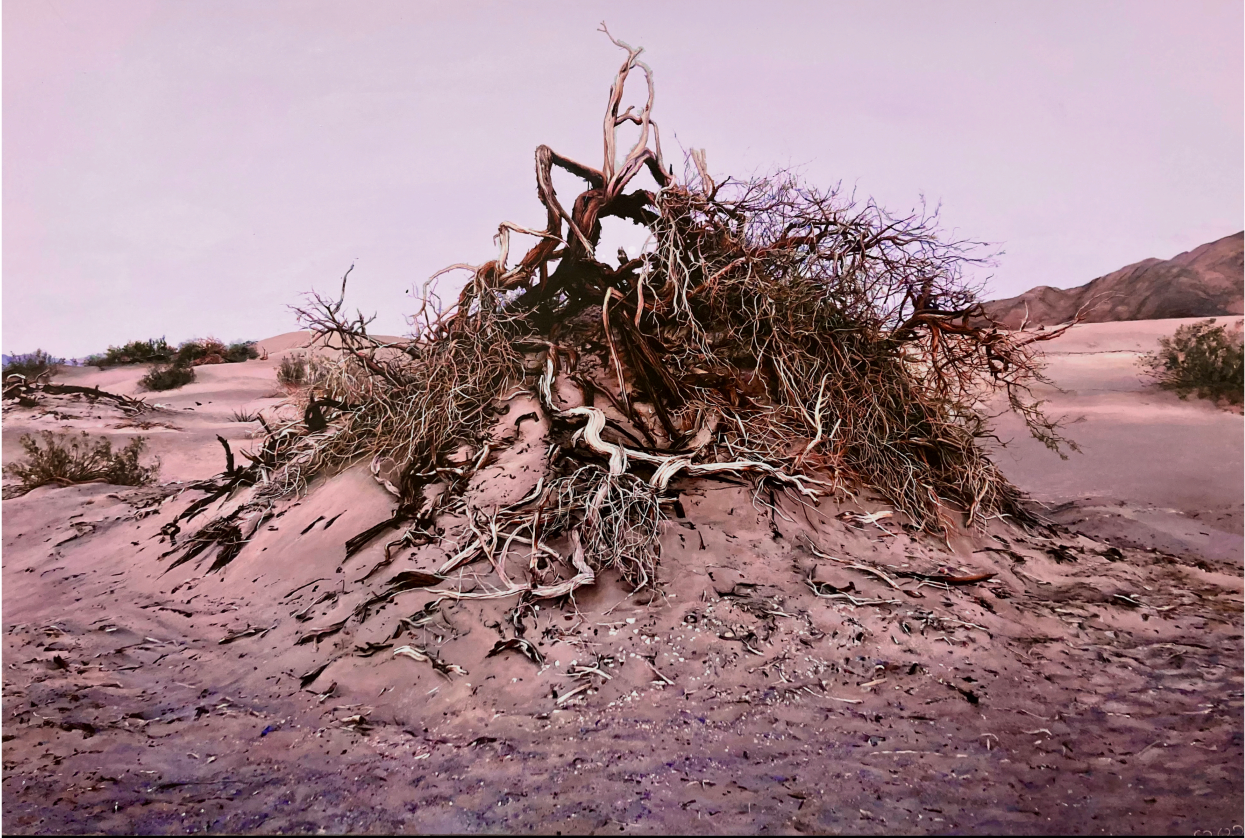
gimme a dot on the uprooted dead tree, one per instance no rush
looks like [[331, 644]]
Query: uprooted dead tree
[[29, 391], [770, 332]]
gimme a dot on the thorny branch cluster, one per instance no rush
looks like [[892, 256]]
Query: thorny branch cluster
[[770, 331]]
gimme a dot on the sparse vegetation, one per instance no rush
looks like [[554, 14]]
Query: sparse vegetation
[[190, 353], [292, 370], [155, 351], [32, 365], [172, 368], [66, 459], [298, 369], [167, 377], [244, 415], [195, 353], [1201, 359], [240, 351]]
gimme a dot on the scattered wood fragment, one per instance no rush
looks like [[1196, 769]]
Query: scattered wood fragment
[[308, 528], [407, 580], [423, 655], [945, 579], [523, 647], [565, 697], [316, 635], [658, 673], [305, 585], [250, 631], [369, 649], [307, 678], [17, 387], [304, 614], [229, 465]]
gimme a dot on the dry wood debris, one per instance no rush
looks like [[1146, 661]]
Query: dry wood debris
[[772, 333]]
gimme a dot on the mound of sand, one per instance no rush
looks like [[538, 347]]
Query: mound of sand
[[807, 669], [1203, 282]]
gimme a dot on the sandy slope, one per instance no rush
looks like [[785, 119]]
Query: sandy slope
[[1154, 470], [1079, 690]]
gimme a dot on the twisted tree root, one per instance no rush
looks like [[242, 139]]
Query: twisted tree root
[[667, 466]]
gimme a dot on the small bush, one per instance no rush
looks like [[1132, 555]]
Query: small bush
[[244, 415], [292, 370], [155, 351], [164, 377], [33, 364], [298, 370], [1200, 358], [194, 353], [241, 351], [66, 460]]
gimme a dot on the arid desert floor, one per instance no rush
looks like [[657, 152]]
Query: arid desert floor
[[1093, 684]]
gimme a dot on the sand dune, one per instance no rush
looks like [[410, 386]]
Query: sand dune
[[1093, 682]]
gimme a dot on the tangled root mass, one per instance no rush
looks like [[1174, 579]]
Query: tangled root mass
[[770, 330]]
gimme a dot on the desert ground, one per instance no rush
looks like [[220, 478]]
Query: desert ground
[[789, 678]]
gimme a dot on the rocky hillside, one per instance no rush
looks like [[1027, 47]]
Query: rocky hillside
[[1204, 282]]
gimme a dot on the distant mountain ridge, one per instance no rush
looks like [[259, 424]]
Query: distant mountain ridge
[[1204, 282]]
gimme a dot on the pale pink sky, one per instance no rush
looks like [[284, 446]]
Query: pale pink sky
[[189, 168]]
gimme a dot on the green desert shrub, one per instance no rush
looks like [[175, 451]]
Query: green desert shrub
[[212, 351], [67, 459], [167, 377], [190, 353], [298, 369], [238, 351], [32, 364], [292, 369], [1200, 358], [155, 351], [200, 351]]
